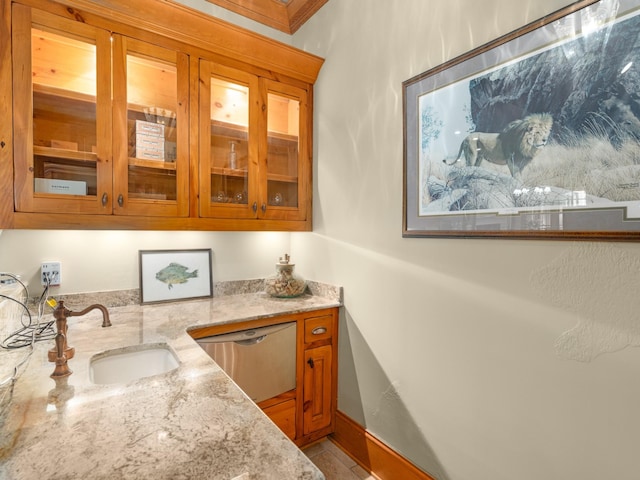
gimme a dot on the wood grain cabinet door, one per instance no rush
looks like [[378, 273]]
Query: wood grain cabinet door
[[317, 391], [285, 157], [62, 119], [229, 114], [150, 129]]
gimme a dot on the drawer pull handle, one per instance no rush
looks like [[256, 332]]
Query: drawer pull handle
[[319, 331]]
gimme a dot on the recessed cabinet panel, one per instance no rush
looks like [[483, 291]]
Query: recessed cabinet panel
[[64, 114], [317, 392], [229, 142], [286, 152], [282, 150], [152, 125]]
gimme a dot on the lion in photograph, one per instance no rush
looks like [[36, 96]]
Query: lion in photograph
[[515, 146]]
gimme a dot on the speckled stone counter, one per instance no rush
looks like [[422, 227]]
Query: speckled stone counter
[[190, 423]]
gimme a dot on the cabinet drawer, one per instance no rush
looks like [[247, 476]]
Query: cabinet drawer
[[318, 328]]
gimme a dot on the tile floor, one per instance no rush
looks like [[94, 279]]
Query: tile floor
[[334, 463]]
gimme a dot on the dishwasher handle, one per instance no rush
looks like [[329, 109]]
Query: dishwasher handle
[[252, 336], [251, 341]]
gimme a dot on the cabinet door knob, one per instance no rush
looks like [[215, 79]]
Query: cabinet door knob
[[310, 362], [105, 198], [120, 200], [264, 207], [319, 331], [255, 207]]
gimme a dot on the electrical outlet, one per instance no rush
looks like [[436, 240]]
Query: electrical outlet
[[50, 272]]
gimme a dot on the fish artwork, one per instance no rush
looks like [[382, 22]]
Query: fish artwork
[[174, 274]]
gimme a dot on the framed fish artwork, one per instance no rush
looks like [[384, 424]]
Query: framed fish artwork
[[171, 275]]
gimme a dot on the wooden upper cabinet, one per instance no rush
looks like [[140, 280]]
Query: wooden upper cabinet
[[254, 160], [169, 121], [98, 139]]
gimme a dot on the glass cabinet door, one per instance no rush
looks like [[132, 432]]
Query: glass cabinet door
[[286, 150], [62, 126], [151, 129], [228, 148]]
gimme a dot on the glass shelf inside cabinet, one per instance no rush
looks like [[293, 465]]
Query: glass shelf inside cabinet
[[282, 150], [152, 127], [229, 142], [64, 114]]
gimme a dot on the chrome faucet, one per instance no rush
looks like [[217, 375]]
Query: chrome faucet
[[62, 352]]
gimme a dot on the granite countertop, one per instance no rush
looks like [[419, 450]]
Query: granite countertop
[[190, 423]]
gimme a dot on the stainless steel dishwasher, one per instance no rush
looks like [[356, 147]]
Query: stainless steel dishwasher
[[261, 361]]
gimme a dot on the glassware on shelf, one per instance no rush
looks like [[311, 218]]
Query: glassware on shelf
[[285, 283], [221, 197], [277, 199], [232, 155], [240, 197]]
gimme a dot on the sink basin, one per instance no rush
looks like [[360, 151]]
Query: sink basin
[[126, 364]]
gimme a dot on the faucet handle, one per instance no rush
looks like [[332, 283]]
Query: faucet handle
[[62, 367], [62, 348]]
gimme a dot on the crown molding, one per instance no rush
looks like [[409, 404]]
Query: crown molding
[[286, 16]]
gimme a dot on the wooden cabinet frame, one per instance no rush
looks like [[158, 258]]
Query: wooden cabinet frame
[[208, 69], [122, 46], [24, 148], [194, 35]]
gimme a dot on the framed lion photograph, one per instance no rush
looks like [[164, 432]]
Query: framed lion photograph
[[533, 135]]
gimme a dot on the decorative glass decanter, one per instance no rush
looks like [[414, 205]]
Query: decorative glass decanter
[[285, 283]]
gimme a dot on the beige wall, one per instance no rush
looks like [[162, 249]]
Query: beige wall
[[477, 359], [96, 261]]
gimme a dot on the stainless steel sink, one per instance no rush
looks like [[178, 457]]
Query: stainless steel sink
[[126, 364]]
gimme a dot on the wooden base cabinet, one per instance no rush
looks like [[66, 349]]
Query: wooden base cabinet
[[308, 412], [117, 119]]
